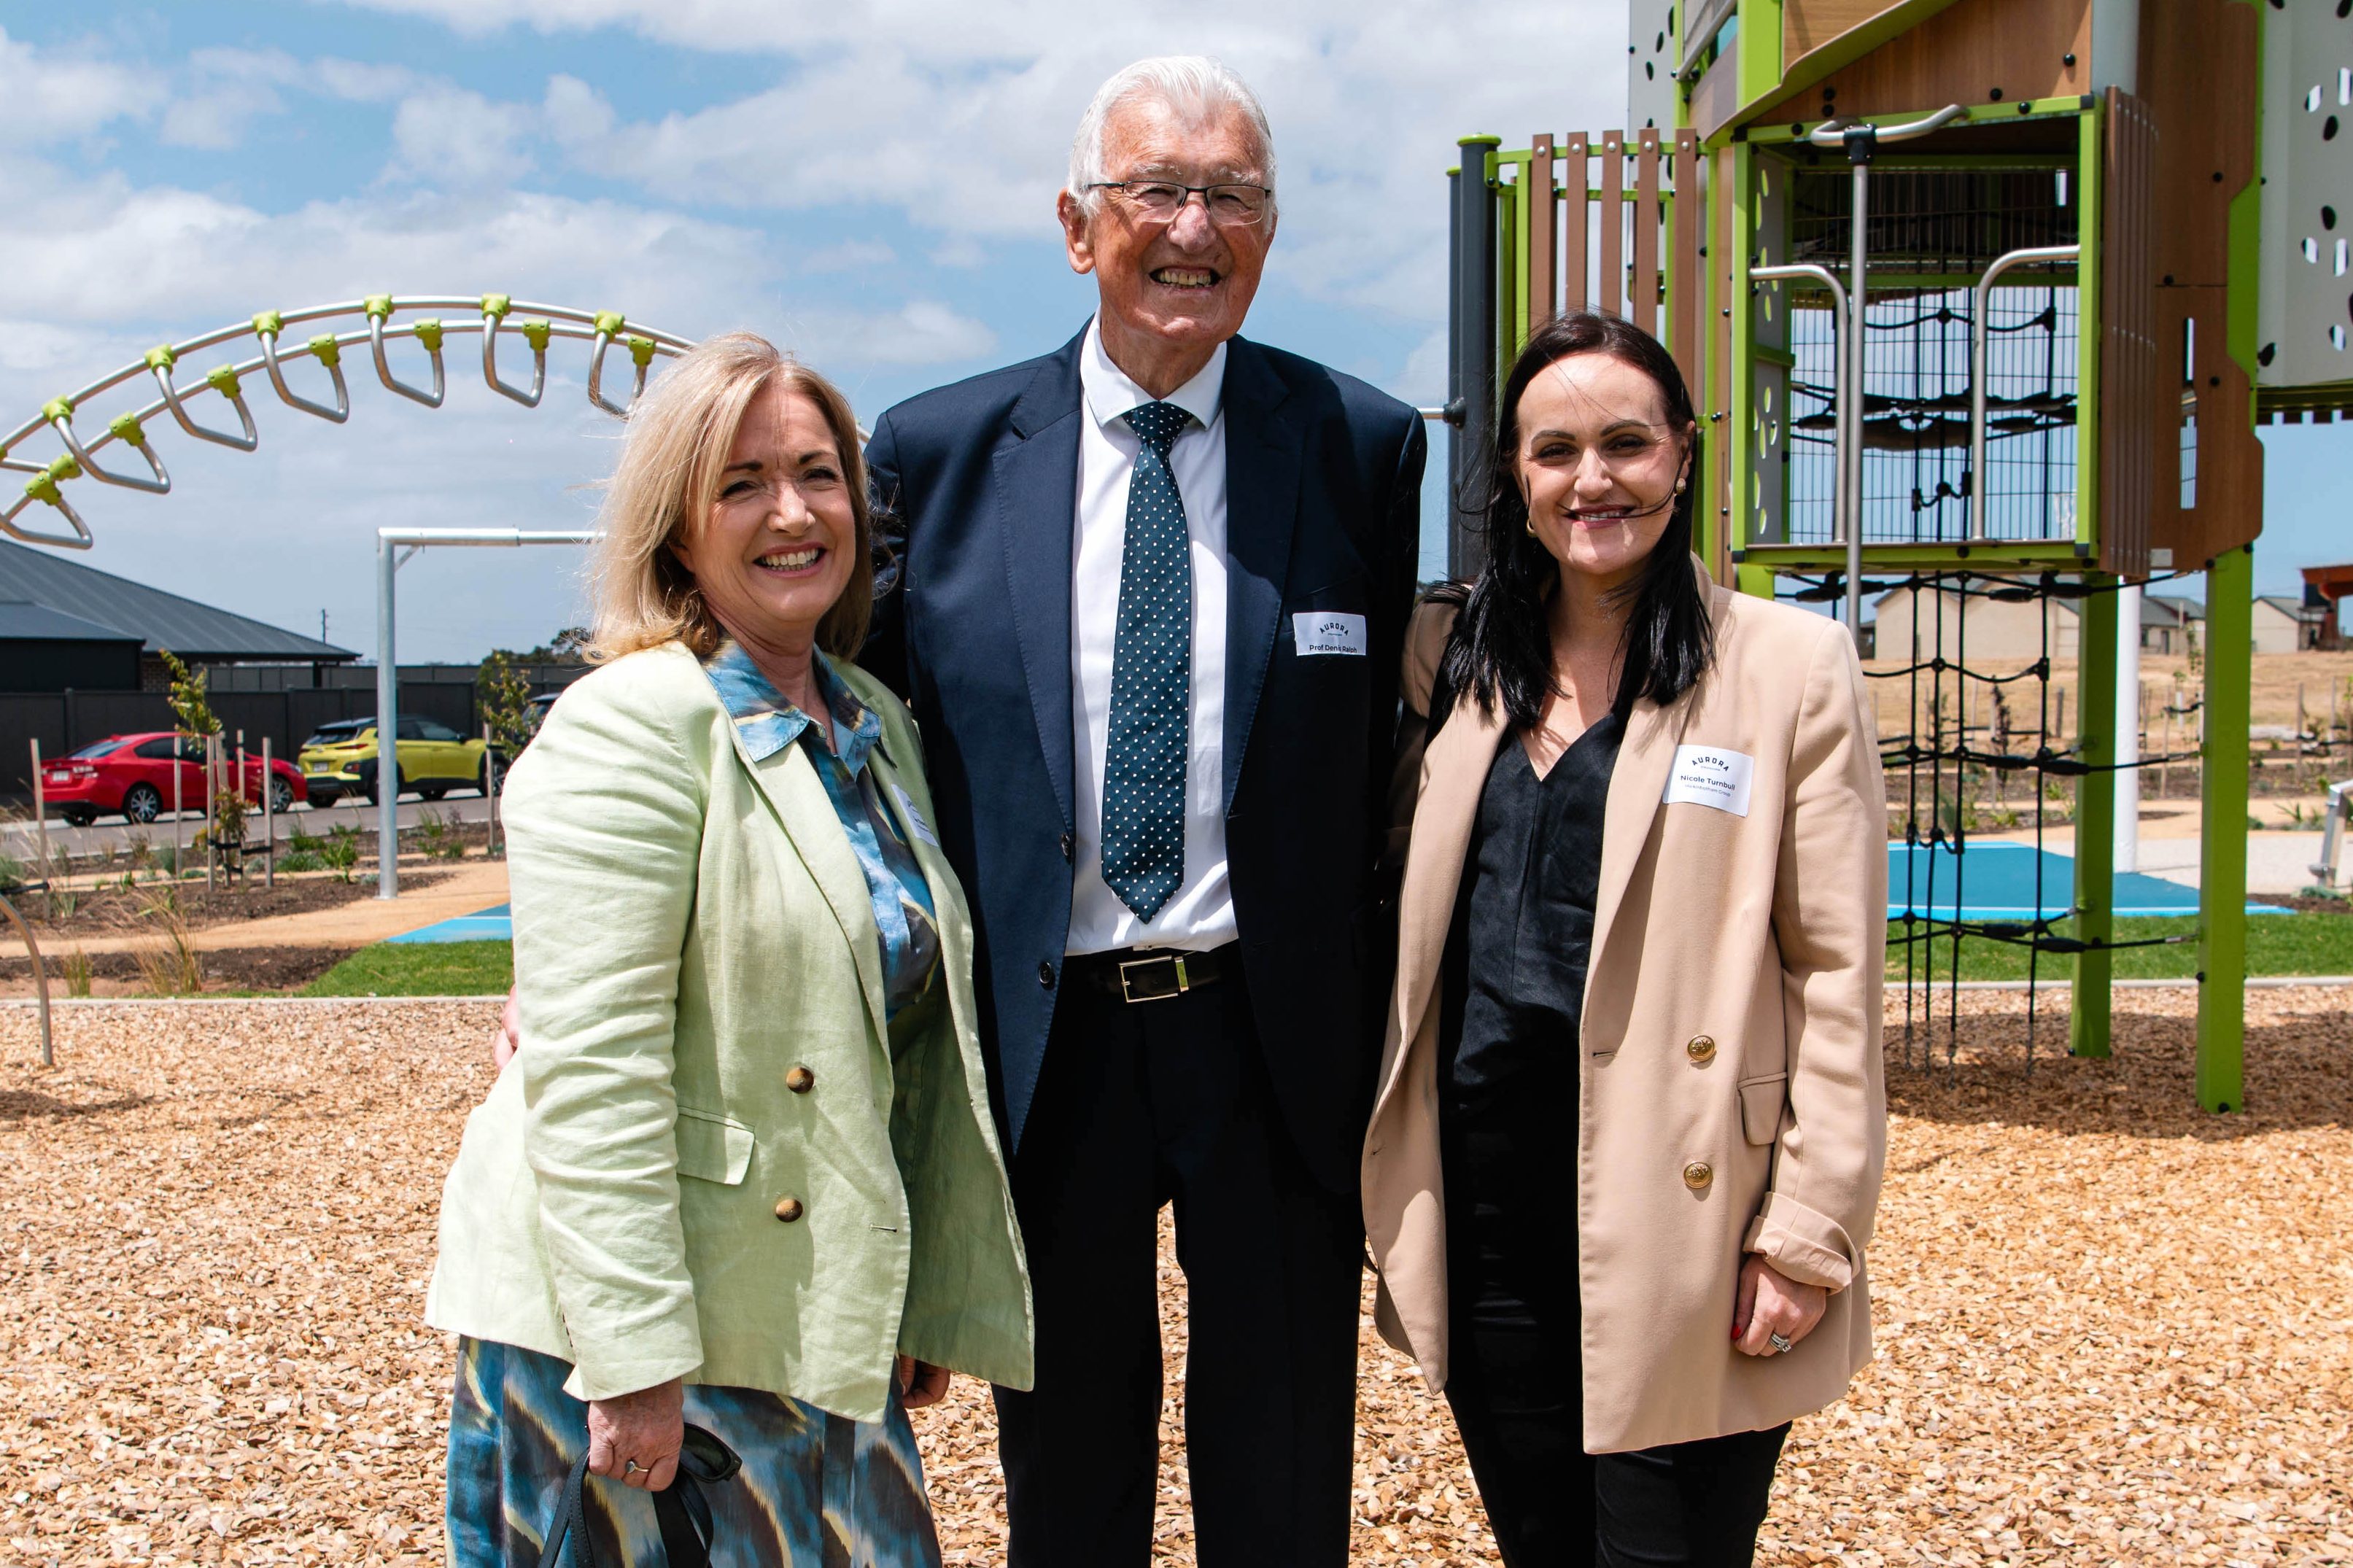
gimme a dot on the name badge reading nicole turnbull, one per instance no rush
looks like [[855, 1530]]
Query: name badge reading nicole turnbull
[[1710, 775], [1327, 631]]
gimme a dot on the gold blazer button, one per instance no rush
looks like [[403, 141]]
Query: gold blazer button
[[1696, 1177], [800, 1080], [1701, 1048], [790, 1209]]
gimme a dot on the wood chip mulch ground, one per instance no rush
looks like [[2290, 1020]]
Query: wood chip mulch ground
[[2112, 1329]]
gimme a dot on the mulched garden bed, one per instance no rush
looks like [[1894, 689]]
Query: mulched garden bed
[[2112, 1329], [121, 911], [224, 969]]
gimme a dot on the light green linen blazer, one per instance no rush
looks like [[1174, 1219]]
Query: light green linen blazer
[[688, 927]]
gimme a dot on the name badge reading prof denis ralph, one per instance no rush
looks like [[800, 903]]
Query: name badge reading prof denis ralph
[[1327, 631], [1710, 775]]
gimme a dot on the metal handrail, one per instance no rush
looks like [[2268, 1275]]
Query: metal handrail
[[1978, 351], [600, 329], [1846, 494]]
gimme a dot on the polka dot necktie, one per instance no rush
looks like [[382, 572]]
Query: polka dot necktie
[[1151, 678]]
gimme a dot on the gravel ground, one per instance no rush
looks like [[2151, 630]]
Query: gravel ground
[[2112, 1330]]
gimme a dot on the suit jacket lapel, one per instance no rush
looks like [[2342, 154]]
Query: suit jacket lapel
[[1453, 776], [796, 794], [1037, 477], [1262, 461]]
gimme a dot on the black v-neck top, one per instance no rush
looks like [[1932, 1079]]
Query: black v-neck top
[[1511, 998]]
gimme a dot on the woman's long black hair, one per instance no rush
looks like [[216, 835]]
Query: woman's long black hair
[[1501, 649]]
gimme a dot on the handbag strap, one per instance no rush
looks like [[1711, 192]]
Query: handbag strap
[[681, 1509]]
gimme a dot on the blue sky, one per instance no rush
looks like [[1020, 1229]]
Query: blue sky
[[869, 183]]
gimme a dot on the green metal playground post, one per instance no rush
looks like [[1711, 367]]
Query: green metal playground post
[[2222, 830], [2095, 816]]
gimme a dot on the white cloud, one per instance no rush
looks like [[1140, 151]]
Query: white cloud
[[54, 97], [924, 331], [447, 135], [849, 255]]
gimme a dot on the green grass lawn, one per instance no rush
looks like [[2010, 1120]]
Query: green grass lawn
[[2276, 944], [420, 969]]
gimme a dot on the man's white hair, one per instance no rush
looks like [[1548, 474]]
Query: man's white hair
[[1195, 86]]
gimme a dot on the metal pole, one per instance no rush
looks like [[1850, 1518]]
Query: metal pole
[[387, 727], [1979, 354], [1472, 388], [1842, 501], [491, 788], [212, 804], [179, 774], [41, 821], [240, 815], [269, 819], [40, 977], [2127, 807]]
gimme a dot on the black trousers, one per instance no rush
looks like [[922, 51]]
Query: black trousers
[[1142, 1104], [1515, 1379]]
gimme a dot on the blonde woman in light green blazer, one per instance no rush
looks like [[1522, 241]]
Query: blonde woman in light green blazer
[[742, 1171]]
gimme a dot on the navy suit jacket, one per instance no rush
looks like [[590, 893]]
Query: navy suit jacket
[[1324, 482]]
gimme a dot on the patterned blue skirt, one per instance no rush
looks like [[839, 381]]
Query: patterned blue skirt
[[816, 1490]]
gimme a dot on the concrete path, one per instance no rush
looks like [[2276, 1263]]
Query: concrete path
[[2276, 862]]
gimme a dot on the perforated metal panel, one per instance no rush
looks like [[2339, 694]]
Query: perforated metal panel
[[2305, 333], [1651, 64]]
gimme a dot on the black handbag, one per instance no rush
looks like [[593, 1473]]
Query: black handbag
[[679, 1507]]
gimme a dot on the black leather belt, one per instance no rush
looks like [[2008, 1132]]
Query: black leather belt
[[1147, 974]]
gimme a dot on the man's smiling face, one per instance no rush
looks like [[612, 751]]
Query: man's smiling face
[[1183, 284]]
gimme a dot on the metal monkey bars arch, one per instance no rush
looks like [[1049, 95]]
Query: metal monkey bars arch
[[537, 325]]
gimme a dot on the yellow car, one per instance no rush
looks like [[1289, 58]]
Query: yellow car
[[340, 760]]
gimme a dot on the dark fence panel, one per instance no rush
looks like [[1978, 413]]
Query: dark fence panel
[[64, 722]]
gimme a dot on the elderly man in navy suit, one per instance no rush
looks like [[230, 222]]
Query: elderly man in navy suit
[[1153, 592]]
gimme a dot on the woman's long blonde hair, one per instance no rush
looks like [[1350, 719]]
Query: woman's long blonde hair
[[675, 446]]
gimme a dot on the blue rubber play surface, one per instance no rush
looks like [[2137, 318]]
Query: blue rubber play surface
[[482, 925], [1995, 880]]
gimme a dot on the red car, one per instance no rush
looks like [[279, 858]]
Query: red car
[[133, 775]]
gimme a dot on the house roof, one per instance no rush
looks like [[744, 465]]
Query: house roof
[[2288, 605], [2169, 609], [22, 622], [48, 581]]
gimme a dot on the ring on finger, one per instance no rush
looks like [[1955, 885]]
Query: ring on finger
[[1778, 1344], [633, 1468]]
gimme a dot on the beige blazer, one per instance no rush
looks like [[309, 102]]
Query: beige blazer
[[1730, 1100]]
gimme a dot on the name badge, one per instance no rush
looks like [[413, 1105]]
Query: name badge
[[1711, 776], [1317, 632], [916, 818]]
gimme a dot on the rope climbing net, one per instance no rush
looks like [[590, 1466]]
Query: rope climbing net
[[376, 326], [1941, 753]]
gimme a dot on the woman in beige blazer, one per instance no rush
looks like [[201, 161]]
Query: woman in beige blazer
[[742, 1171], [1623, 1164]]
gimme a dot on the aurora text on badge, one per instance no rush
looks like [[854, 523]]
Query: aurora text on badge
[[1710, 775], [1328, 632]]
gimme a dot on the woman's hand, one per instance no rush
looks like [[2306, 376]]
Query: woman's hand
[[634, 1439], [1770, 1303], [920, 1382], [508, 1034]]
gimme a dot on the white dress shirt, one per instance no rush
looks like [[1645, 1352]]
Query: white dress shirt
[[1201, 912]]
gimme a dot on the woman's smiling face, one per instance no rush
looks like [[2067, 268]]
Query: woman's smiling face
[[777, 548], [1599, 464]]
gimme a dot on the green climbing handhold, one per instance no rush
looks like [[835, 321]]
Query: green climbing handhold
[[429, 334], [641, 350], [126, 428], [536, 334], [611, 322], [58, 410], [40, 487], [161, 357], [326, 349], [378, 306], [268, 324], [223, 380], [496, 306], [64, 467]]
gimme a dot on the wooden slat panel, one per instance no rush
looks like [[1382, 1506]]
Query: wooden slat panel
[[1543, 220], [2132, 411], [2204, 56], [1574, 232], [1808, 24], [1960, 55], [1612, 293], [1686, 290], [1642, 294]]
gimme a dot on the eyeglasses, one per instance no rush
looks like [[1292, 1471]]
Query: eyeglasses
[[1228, 205]]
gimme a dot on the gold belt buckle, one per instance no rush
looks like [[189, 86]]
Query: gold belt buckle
[[1127, 985]]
